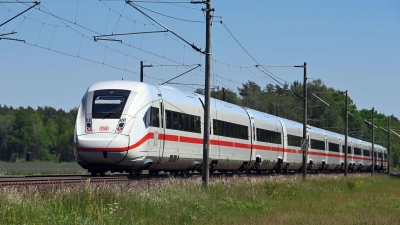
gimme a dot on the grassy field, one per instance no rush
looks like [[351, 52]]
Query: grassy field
[[268, 200], [40, 168]]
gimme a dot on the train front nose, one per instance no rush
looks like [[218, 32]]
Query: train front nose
[[102, 148]]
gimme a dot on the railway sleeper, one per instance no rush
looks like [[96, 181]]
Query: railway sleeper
[[137, 173], [153, 172], [94, 173]]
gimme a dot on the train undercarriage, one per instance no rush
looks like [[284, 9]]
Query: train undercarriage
[[185, 167]]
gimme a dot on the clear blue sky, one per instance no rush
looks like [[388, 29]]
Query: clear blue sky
[[350, 45]]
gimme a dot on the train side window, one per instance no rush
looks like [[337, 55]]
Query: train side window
[[155, 120], [150, 118], [366, 152], [168, 119], [348, 149], [197, 124], [316, 144], [268, 136], [294, 140], [333, 147], [175, 121], [186, 123], [233, 130], [182, 121], [357, 151]]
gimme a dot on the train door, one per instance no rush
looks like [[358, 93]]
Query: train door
[[252, 135], [350, 158], [376, 155], [308, 149], [161, 134], [325, 158], [341, 152], [213, 151], [284, 153]]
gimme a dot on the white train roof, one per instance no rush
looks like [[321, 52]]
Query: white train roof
[[177, 96]]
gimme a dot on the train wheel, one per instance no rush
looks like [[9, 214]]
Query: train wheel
[[93, 174], [102, 173]]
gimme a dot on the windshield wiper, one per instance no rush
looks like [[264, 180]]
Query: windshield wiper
[[112, 112], [108, 114]]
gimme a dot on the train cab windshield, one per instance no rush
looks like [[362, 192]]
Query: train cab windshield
[[109, 103]]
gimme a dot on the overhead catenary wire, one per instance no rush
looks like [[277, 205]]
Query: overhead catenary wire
[[124, 53], [121, 15], [247, 52], [86, 59], [27, 17], [145, 25], [82, 35], [180, 75], [36, 3], [352, 115], [64, 21], [171, 17], [166, 28]]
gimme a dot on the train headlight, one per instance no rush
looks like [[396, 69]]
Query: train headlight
[[120, 127], [88, 125]]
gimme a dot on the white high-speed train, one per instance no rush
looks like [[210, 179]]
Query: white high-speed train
[[126, 126]]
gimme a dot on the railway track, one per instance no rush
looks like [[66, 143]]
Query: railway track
[[69, 180], [56, 180], [145, 179]]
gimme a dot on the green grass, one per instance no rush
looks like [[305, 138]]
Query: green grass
[[40, 168], [268, 200]]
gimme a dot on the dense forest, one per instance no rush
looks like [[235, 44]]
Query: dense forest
[[48, 133]]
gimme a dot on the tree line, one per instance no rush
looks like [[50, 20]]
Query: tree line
[[44, 132], [48, 133]]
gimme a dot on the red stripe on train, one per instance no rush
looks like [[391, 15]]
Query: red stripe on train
[[184, 139]]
